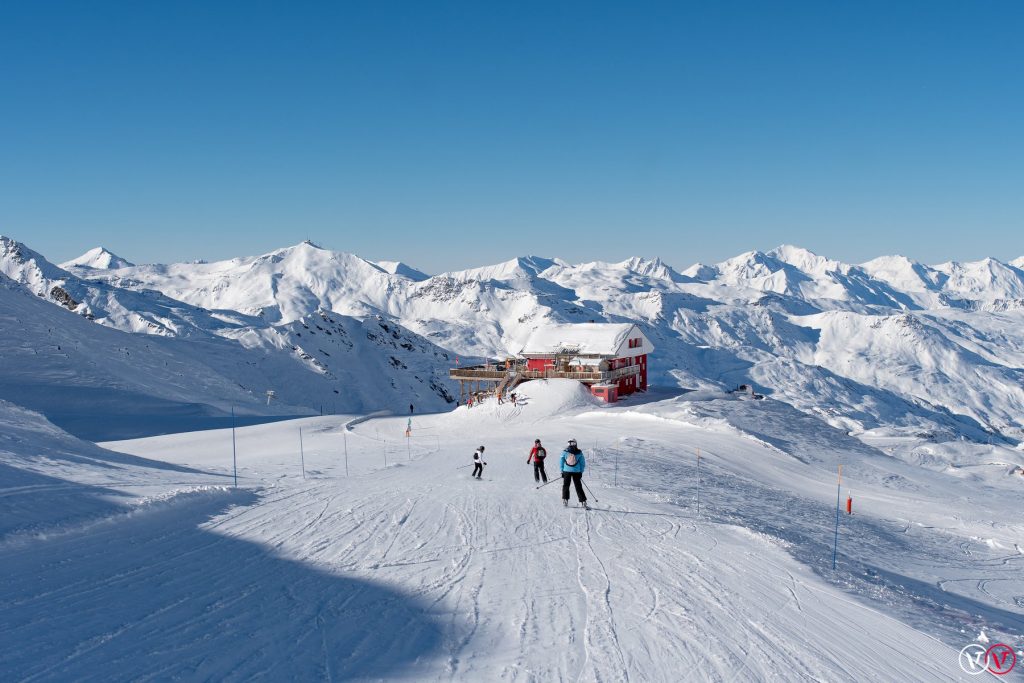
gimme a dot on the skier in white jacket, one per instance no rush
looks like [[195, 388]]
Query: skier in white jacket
[[478, 462]]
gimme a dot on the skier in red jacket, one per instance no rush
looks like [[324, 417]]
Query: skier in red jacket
[[537, 455]]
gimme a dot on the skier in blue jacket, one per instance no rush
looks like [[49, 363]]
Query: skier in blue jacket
[[573, 463]]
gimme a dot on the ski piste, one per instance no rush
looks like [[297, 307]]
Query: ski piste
[[162, 512]]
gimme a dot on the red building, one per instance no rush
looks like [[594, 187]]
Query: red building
[[611, 358]]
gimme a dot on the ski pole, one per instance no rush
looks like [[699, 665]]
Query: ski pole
[[548, 482], [588, 490], [462, 467]]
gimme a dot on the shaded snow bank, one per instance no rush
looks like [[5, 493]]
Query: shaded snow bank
[[51, 481]]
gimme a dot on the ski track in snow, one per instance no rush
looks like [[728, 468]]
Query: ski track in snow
[[417, 572]]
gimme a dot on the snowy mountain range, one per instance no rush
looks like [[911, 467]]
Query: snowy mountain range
[[889, 343]]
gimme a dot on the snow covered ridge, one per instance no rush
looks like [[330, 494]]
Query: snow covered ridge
[[891, 342], [191, 365]]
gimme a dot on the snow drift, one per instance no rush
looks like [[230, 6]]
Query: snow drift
[[537, 400]]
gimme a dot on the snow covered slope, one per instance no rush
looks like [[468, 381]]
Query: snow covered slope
[[373, 557], [78, 373], [75, 371], [317, 361], [52, 482], [124, 308]]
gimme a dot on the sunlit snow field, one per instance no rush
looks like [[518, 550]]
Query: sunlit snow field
[[141, 561]]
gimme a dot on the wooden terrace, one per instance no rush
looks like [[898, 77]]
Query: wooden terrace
[[496, 378]]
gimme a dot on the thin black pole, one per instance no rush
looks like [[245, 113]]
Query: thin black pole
[[835, 546], [344, 436], [698, 482]]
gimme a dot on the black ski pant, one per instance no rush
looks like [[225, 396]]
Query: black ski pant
[[478, 469], [538, 471], [577, 479]]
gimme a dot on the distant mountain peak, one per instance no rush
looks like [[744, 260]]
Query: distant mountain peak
[[790, 251], [892, 260], [805, 259], [749, 264], [98, 258], [401, 270], [535, 264], [513, 269], [701, 272], [655, 267]]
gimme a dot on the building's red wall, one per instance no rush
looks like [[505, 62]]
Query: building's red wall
[[642, 362], [536, 363]]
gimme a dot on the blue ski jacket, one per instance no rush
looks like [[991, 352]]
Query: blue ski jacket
[[581, 463]]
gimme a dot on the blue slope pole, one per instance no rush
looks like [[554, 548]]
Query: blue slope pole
[[234, 452], [835, 544]]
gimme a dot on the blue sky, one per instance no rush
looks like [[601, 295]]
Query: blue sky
[[456, 134]]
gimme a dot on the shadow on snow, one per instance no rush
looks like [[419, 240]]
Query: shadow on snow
[[158, 595]]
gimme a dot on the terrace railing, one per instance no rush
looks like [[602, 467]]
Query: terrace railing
[[500, 375]]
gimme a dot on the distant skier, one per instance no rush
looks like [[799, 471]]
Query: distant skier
[[513, 397], [478, 462], [537, 455], [573, 463], [410, 409]]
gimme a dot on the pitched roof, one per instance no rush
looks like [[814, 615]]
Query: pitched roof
[[581, 339]]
